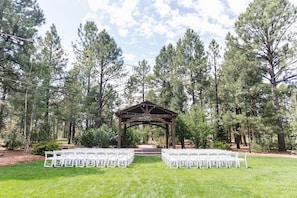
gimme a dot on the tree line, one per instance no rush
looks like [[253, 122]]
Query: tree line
[[248, 95]]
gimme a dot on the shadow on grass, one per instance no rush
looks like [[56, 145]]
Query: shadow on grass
[[36, 171]]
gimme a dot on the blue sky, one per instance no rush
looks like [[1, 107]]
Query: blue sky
[[142, 27]]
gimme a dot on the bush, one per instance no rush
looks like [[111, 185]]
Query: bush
[[221, 145], [87, 138], [104, 136], [258, 148], [101, 137], [133, 138], [14, 140], [39, 148]]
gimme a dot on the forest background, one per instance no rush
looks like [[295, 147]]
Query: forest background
[[249, 97]]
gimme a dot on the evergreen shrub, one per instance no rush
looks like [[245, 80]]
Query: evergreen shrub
[[13, 140], [39, 148]]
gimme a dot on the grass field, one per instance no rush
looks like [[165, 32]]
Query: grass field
[[150, 177]]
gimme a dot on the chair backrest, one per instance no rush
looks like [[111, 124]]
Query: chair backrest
[[203, 156], [193, 156], [80, 154], [69, 153], [91, 154], [173, 156], [48, 154], [183, 156], [58, 153], [111, 155]]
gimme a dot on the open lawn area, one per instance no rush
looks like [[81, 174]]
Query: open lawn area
[[148, 176]]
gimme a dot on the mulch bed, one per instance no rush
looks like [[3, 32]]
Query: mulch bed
[[8, 158]]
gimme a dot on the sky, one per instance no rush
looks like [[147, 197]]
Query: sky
[[142, 27]]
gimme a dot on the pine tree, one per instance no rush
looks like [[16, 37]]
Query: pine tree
[[266, 31], [190, 61]]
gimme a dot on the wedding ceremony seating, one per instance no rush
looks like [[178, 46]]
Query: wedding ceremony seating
[[199, 158], [89, 157]]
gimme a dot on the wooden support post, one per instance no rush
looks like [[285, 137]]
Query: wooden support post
[[167, 136], [173, 132], [125, 136]]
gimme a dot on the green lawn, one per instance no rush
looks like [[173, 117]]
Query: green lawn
[[150, 177]]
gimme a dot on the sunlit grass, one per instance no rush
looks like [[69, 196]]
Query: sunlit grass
[[150, 177]]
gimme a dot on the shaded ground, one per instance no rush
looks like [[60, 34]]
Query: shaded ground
[[8, 158]]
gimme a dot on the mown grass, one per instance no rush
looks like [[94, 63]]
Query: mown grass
[[150, 177]]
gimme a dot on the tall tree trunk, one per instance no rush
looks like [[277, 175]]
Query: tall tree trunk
[[238, 134], [279, 121], [143, 90], [182, 140], [244, 140], [26, 136], [46, 113], [73, 129], [88, 91], [100, 97], [69, 132], [192, 91], [3, 99]]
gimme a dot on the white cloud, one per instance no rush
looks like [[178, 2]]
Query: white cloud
[[90, 16], [146, 26], [123, 32], [162, 8], [149, 23], [238, 6], [226, 21], [95, 4], [207, 8], [129, 58], [160, 28], [185, 3], [122, 15]]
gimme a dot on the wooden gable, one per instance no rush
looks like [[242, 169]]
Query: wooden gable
[[146, 112]]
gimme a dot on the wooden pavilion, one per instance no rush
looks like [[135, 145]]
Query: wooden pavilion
[[146, 113]]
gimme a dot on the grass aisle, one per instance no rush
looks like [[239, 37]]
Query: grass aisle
[[150, 177]]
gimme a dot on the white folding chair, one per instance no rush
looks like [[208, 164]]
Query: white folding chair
[[130, 156], [101, 159], [111, 159], [224, 160], [172, 160], [213, 159], [123, 160], [242, 158], [58, 158], [203, 160], [49, 159], [69, 158], [193, 160], [91, 159], [80, 158], [234, 159], [183, 160]]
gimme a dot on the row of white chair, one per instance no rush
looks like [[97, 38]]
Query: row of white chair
[[89, 158], [198, 158]]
